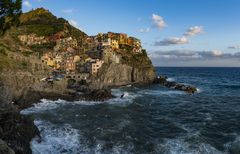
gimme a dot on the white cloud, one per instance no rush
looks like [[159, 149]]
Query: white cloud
[[144, 30], [234, 47], [195, 30], [74, 23], [67, 11], [27, 4], [189, 55], [194, 58], [158, 21], [172, 41], [217, 53], [177, 56]]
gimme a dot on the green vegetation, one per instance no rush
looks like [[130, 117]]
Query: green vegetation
[[10, 64], [144, 52], [26, 53], [136, 60], [44, 23], [37, 16], [3, 52], [9, 14], [42, 29]]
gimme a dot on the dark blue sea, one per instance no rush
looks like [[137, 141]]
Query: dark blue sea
[[150, 119]]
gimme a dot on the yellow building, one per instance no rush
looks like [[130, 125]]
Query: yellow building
[[114, 44], [50, 62]]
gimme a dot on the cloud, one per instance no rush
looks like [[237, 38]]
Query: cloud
[[144, 30], [172, 41], [217, 53], [158, 21], [67, 11], [234, 47], [74, 23], [190, 55], [195, 30], [27, 4]]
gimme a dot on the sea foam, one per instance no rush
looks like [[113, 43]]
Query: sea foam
[[56, 139]]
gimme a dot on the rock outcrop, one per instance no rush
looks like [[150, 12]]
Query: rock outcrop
[[5, 149], [162, 80], [15, 130], [113, 75]]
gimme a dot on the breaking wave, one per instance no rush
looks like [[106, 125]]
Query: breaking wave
[[57, 139], [180, 146]]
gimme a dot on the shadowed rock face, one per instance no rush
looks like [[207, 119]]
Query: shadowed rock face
[[111, 75], [5, 149], [16, 130]]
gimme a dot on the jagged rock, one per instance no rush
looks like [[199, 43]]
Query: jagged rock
[[112, 75], [98, 95], [180, 87], [5, 149], [190, 89], [170, 84], [16, 130], [235, 148], [162, 80]]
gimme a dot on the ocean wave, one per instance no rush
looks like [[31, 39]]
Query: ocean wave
[[199, 90], [161, 92], [56, 139], [233, 146], [46, 105], [42, 106], [65, 139], [170, 79], [122, 97], [176, 146]]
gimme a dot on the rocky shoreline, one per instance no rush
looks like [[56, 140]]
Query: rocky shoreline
[[17, 131]]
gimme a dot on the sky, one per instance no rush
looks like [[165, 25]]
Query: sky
[[175, 32]]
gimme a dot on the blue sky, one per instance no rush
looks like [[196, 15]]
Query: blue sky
[[174, 32]]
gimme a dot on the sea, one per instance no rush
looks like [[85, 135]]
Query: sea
[[148, 119]]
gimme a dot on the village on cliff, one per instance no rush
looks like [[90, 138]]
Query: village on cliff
[[70, 56]]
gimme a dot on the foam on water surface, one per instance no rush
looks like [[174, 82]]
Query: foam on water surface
[[56, 139]]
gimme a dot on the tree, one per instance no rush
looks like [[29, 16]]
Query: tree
[[10, 11]]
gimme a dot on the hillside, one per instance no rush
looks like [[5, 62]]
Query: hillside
[[44, 43], [41, 23]]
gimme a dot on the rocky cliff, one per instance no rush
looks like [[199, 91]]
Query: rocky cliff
[[112, 75], [16, 131]]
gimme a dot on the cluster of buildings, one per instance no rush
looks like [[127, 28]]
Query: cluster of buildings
[[33, 39], [71, 58], [114, 41]]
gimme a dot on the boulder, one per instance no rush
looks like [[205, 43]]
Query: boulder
[[170, 84], [5, 149], [162, 80], [98, 95], [190, 89]]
